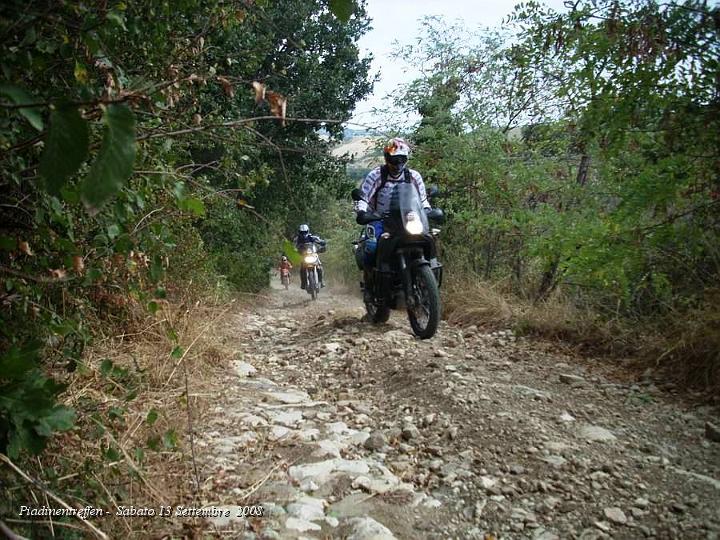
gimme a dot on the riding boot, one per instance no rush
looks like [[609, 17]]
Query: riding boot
[[303, 278]]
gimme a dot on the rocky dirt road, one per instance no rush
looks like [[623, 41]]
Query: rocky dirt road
[[340, 429]]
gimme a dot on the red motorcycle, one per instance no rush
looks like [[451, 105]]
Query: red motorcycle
[[285, 277]]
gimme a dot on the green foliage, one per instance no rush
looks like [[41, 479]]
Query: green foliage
[[114, 163], [65, 148], [342, 9], [28, 412], [125, 171], [588, 155]]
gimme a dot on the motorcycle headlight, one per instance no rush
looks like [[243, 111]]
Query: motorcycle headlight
[[413, 225], [311, 259]]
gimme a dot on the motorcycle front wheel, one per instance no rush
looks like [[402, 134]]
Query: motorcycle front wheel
[[425, 315], [377, 314], [312, 283]]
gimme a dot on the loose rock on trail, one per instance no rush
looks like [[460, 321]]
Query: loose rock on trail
[[342, 429]]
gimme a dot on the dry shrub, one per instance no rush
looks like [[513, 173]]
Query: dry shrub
[[475, 302], [686, 347], [107, 460], [494, 306]]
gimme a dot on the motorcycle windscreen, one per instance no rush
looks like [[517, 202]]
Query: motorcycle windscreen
[[413, 216]]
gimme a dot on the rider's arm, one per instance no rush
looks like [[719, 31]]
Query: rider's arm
[[368, 188], [420, 184]]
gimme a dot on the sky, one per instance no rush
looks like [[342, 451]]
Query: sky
[[398, 20]]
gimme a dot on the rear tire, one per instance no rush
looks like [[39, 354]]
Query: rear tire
[[426, 288]]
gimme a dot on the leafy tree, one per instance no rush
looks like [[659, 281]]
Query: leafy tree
[[138, 136]]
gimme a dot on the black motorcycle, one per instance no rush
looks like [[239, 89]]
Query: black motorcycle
[[406, 269]]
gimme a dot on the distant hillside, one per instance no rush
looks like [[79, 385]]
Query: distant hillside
[[362, 151]]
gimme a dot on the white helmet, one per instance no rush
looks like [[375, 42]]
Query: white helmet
[[397, 147], [303, 228], [396, 154]]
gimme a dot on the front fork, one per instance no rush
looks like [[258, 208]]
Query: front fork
[[406, 273]]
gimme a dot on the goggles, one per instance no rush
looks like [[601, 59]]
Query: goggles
[[397, 160]]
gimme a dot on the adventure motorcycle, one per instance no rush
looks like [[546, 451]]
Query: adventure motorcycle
[[405, 270], [310, 264]]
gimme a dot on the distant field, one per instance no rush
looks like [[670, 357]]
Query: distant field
[[362, 151]]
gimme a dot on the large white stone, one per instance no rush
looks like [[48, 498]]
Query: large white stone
[[307, 508], [301, 525], [287, 418], [596, 434], [366, 528], [243, 369], [290, 396]]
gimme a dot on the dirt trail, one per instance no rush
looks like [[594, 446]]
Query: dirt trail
[[345, 430]]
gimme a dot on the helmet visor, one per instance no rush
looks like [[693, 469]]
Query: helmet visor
[[397, 160]]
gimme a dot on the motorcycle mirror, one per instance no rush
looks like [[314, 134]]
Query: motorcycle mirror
[[436, 215], [356, 195]]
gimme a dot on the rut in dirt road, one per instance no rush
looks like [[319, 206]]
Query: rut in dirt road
[[341, 429]]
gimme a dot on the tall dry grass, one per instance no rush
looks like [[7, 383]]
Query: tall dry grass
[[148, 399], [681, 346]]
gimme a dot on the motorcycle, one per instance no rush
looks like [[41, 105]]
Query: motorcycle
[[310, 263], [406, 270]]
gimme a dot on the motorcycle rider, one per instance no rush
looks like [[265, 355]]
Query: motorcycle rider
[[305, 237], [284, 266], [377, 187]]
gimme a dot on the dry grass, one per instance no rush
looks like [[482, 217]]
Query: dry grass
[[106, 460], [683, 347], [686, 349], [478, 303]]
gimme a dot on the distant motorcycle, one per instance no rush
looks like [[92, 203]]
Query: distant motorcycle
[[285, 277], [310, 264], [406, 270]]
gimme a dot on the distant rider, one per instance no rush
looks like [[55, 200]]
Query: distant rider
[[305, 237], [284, 267]]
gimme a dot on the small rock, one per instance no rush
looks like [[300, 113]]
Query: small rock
[[641, 502], [362, 482], [376, 441], [243, 369], [571, 379], [565, 418], [397, 352], [410, 432], [602, 525], [366, 528], [615, 515], [487, 482], [555, 461], [712, 432], [678, 508]]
